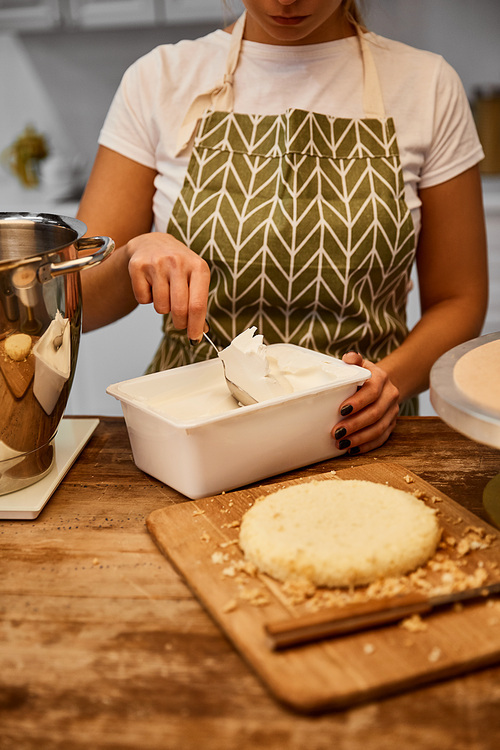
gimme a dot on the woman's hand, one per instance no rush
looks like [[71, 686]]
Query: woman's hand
[[146, 266], [370, 414], [171, 276]]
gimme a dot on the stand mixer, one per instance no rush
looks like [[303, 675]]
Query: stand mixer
[[40, 303]]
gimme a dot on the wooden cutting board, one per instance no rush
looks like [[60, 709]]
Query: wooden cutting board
[[200, 539]]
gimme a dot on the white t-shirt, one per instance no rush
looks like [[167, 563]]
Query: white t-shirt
[[434, 126]]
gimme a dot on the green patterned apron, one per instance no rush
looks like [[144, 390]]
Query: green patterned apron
[[303, 221]]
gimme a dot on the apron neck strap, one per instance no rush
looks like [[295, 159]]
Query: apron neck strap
[[373, 101], [221, 96]]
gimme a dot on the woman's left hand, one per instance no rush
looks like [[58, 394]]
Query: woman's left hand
[[369, 416]]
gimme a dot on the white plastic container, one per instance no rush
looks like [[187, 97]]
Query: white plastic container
[[206, 456]]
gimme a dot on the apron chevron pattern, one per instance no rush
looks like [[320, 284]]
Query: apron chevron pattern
[[303, 223], [302, 220]]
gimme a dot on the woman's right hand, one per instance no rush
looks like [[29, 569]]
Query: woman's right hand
[[146, 266], [171, 276]]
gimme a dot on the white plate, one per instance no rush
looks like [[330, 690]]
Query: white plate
[[71, 438]]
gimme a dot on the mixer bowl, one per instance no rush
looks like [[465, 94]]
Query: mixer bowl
[[40, 297]]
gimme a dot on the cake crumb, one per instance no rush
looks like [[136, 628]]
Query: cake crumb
[[218, 557], [435, 654], [198, 512], [408, 479], [243, 566], [419, 494], [297, 590], [232, 525], [368, 648], [230, 606], [228, 544], [255, 597], [414, 624]]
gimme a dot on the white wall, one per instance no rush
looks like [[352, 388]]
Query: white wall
[[81, 70], [465, 32]]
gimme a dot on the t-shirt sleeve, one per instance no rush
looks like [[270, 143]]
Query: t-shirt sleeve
[[127, 126], [455, 144]]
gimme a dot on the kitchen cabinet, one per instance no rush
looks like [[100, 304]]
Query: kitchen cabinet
[[110, 13], [37, 15], [183, 11], [29, 14]]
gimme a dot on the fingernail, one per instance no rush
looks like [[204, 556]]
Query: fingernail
[[347, 409], [344, 444], [194, 342], [354, 451], [340, 433]]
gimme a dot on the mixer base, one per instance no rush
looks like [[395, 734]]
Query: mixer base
[[27, 503]]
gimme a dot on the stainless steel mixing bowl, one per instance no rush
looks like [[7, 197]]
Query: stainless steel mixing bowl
[[40, 297]]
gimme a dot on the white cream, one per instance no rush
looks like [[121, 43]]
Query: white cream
[[270, 373], [206, 400], [249, 367], [265, 372]]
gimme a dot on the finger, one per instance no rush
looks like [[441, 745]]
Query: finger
[[385, 403], [368, 440], [143, 276], [142, 289], [353, 358], [370, 436], [198, 299], [370, 391], [179, 298]]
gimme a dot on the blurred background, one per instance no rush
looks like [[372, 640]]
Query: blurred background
[[61, 62]]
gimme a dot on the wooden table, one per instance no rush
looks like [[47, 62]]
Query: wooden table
[[103, 646]]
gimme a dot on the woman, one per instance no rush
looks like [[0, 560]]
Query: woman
[[294, 167]]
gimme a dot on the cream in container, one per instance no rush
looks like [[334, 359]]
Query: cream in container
[[264, 372], [187, 430], [269, 373]]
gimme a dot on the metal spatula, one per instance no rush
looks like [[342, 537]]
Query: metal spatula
[[241, 396]]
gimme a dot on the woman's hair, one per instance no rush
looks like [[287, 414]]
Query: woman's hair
[[353, 13]]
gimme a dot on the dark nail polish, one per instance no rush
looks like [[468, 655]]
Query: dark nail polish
[[347, 409], [194, 342], [354, 451], [340, 433], [344, 444]]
